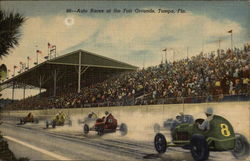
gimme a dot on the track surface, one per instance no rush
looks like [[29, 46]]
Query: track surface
[[37, 143]]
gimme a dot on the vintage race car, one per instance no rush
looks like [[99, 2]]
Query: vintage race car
[[220, 137], [108, 125], [58, 122], [170, 123], [28, 119]]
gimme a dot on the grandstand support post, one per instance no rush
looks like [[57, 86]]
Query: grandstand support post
[[40, 84], [54, 83], [24, 87], [13, 90], [79, 72]]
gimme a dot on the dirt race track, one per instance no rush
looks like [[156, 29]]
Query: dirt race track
[[69, 143]]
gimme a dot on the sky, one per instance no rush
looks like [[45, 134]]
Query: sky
[[135, 38]]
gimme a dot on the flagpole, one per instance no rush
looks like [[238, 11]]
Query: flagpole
[[36, 55], [28, 63], [48, 52], [232, 40], [36, 58], [14, 72], [166, 56]]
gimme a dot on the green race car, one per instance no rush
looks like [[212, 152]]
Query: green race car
[[220, 137]]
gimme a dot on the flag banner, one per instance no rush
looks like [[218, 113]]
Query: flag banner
[[39, 51], [230, 31], [164, 49]]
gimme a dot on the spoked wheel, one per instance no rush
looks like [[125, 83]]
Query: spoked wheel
[[86, 129], [241, 150], [160, 143], [123, 129], [157, 128], [199, 148]]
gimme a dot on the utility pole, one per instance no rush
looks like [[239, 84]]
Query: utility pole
[[166, 59], [79, 72]]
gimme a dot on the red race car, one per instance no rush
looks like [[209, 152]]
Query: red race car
[[107, 124]]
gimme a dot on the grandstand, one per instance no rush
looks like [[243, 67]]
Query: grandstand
[[76, 69], [206, 77]]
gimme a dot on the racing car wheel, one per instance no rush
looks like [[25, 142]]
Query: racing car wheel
[[86, 129]]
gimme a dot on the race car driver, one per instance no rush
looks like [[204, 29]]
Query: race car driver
[[206, 123]]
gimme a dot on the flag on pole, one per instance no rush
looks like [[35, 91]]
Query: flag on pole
[[39, 51], [230, 31]]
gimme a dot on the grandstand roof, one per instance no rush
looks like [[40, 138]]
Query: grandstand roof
[[93, 66]]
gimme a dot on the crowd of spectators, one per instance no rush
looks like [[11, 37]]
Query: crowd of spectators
[[203, 76]]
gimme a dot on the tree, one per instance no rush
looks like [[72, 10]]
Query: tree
[[10, 24]]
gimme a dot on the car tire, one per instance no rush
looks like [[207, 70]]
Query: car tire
[[70, 123], [241, 150], [53, 124], [157, 128], [47, 124], [199, 148], [123, 129], [100, 131], [21, 121], [160, 143], [86, 129]]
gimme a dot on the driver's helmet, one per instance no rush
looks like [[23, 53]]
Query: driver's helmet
[[209, 111], [90, 115], [178, 117]]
